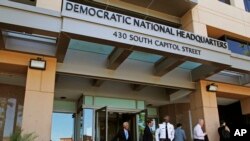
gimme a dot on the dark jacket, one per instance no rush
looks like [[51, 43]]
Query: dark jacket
[[147, 136], [121, 136], [224, 134]]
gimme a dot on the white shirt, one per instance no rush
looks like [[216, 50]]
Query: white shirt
[[126, 134], [160, 133], [198, 132]]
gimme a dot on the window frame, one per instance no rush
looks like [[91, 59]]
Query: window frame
[[225, 1], [247, 5]]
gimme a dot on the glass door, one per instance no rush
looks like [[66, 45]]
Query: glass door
[[78, 133], [101, 124], [141, 123]]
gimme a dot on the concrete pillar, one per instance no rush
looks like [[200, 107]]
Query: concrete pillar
[[203, 104], [49, 4], [238, 3], [245, 106], [38, 102]]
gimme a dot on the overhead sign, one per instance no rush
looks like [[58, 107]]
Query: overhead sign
[[103, 24], [97, 15]]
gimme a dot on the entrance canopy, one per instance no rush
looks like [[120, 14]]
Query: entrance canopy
[[180, 58]]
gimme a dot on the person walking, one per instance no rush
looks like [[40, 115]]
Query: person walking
[[165, 132], [148, 136], [199, 135], [123, 134], [224, 131], [179, 133]]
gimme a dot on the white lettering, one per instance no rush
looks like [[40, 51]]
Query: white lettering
[[239, 132], [243, 131]]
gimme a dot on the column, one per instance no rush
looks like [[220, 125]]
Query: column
[[203, 104], [38, 102], [245, 106]]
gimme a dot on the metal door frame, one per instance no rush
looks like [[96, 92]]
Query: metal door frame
[[97, 123]]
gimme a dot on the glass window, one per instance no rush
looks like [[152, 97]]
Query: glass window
[[11, 110], [247, 5], [247, 52], [10, 117], [88, 121], [225, 1], [62, 127], [238, 47], [28, 2]]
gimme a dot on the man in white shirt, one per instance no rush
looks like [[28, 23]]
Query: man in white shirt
[[165, 132], [199, 135]]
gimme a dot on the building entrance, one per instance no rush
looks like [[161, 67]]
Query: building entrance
[[233, 116], [109, 122]]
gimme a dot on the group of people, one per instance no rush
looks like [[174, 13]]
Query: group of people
[[167, 132]]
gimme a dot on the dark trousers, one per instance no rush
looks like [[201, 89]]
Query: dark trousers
[[165, 140], [198, 140]]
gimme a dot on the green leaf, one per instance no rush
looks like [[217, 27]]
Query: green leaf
[[19, 136]]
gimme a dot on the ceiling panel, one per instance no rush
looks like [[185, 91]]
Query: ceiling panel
[[143, 56], [90, 47], [189, 65]]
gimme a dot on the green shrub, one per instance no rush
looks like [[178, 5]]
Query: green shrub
[[20, 136]]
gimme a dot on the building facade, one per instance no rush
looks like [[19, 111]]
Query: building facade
[[76, 69]]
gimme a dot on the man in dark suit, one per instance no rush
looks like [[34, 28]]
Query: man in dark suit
[[123, 134], [148, 136]]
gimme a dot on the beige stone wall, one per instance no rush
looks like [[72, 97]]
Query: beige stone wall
[[245, 106], [50, 4], [179, 113], [230, 19], [238, 3]]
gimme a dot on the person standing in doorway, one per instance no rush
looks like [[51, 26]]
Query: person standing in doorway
[[165, 132], [123, 134], [148, 136], [224, 132], [199, 135], [179, 133]]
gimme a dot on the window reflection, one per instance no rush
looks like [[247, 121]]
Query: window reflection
[[19, 116], [10, 117], [11, 110], [238, 47], [62, 127], [225, 1], [28, 2], [88, 121], [247, 5]]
